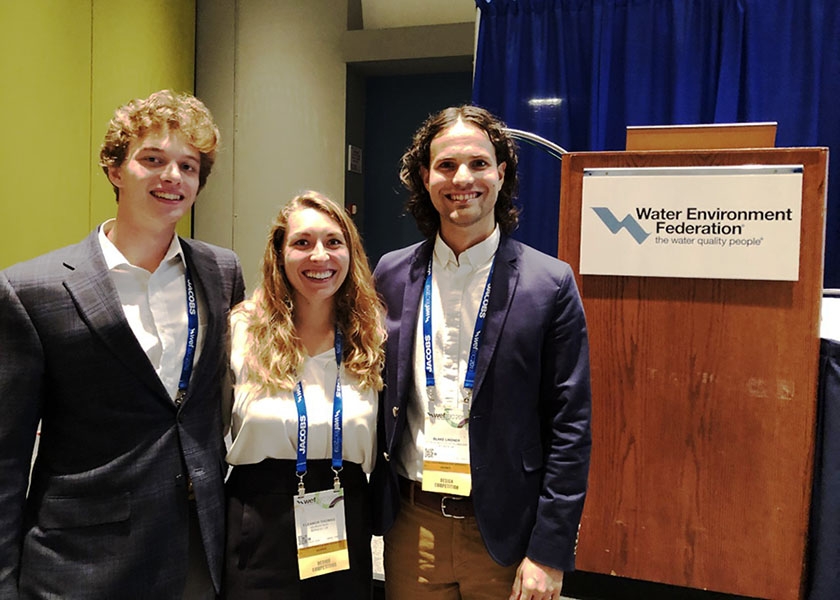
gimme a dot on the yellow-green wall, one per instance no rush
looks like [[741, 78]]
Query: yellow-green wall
[[65, 65]]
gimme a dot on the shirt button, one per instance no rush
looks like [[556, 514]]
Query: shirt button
[[396, 411], [387, 456]]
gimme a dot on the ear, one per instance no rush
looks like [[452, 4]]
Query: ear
[[502, 167], [424, 173], [115, 176]]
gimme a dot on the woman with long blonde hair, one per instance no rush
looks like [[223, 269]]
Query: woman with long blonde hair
[[307, 352]]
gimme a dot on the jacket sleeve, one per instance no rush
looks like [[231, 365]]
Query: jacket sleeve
[[21, 387], [237, 295], [238, 283], [565, 407]]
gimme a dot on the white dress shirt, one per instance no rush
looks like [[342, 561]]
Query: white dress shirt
[[457, 286], [155, 305]]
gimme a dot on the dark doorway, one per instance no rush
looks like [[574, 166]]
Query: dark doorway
[[395, 107]]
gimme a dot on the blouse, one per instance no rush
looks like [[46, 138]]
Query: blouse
[[266, 426]]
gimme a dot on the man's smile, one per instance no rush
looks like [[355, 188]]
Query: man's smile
[[167, 196], [463, 196]]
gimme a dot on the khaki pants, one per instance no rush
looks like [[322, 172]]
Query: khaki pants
[[431, 557]]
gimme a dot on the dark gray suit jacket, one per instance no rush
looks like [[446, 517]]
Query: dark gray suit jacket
[[106, 514], [529, 423]]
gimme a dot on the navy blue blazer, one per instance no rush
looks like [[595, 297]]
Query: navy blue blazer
[[529, 424], [106, 513]]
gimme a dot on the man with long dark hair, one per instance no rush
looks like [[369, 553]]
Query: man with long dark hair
[[484, 423]]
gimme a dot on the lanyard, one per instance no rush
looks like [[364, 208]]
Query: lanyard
[[303, 424], [192, 334], [428, 354]]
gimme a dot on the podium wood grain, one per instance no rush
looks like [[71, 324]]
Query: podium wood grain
[[704, 405]]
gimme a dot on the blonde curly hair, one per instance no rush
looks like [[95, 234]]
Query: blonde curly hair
[[162, 111], [276, 353]]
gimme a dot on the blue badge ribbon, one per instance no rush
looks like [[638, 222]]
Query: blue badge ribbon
[[192, 335], [428, 354], [337, 421]]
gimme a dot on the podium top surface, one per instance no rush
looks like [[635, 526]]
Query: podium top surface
[[701, 137]]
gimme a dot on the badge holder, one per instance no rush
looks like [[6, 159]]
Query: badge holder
[[446, 459], [320, 528]]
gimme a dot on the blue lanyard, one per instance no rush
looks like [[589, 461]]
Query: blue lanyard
[[192, 334], [428, 354], [337, 423]]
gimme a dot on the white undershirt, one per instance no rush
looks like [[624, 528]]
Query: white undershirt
[[266, 426], [457, 287], [155, 305]]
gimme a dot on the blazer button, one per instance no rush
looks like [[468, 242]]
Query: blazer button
[[395, 411], [387, 456]]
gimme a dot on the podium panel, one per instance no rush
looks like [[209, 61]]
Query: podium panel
[[704, 404]]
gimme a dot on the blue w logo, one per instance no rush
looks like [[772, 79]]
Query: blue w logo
[[614, 225]]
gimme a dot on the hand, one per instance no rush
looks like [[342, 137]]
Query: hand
[[536, 582]]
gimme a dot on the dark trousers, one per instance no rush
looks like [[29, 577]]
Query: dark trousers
[[261, 554], [824, 538], [199, 585]]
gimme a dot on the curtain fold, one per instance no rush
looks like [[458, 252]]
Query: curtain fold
[[579, 71]]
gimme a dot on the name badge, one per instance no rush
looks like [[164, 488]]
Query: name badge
[[321, 533], [446, 458]]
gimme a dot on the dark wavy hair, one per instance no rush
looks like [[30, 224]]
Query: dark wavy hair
[[417, 156]]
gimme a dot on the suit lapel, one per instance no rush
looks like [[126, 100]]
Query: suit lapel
[[505, 278], [98, 304], [408, 322], [207, 278]]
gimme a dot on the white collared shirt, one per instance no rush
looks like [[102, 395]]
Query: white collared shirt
[[457, 286], [155, 305]]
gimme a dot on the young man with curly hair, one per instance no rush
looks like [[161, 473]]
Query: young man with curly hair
[[117, 346]]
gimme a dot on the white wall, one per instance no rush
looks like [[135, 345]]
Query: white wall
[[273, 72], [281, 113]]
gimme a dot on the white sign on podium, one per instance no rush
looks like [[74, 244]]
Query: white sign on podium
[[739, 222]]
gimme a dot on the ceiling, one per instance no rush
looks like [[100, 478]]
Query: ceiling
[[385, 14]]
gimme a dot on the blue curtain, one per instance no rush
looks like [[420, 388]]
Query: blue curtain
[[579, 71]]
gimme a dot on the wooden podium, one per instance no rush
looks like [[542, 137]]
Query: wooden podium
[[704, 404]]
